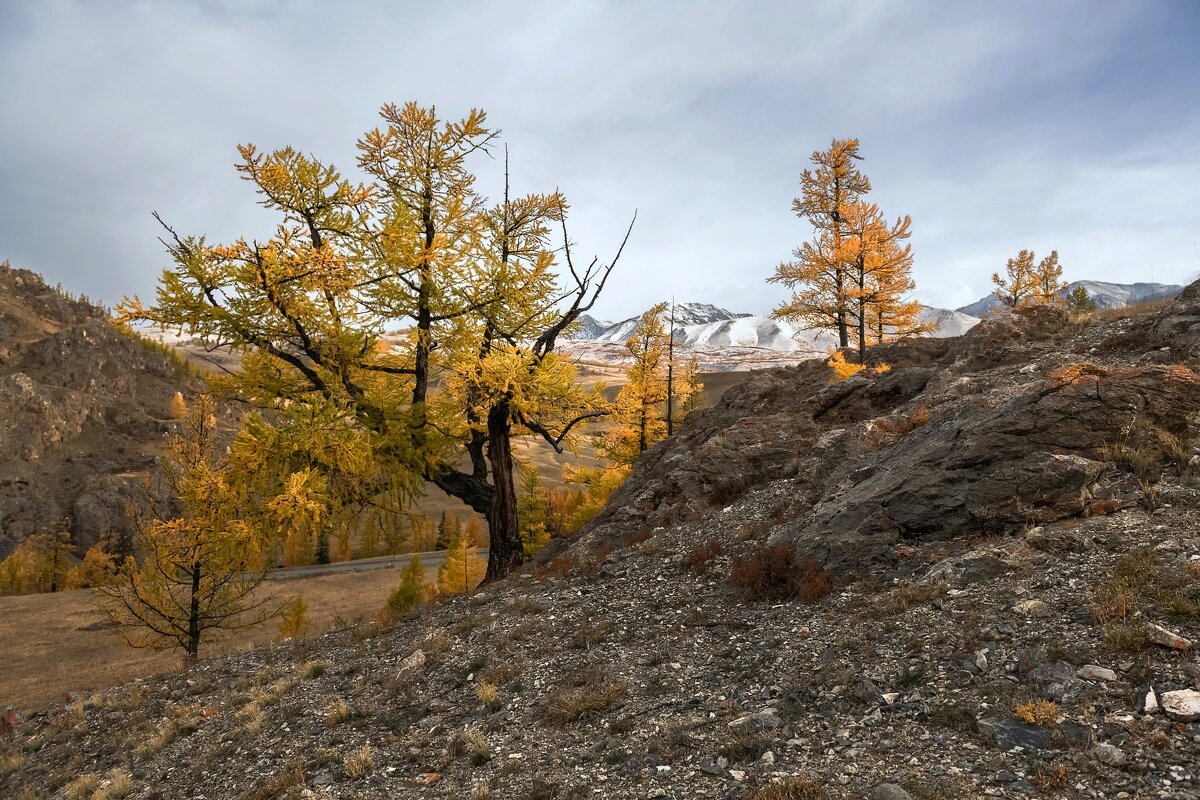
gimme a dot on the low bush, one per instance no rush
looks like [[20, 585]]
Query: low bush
[[776, 572]]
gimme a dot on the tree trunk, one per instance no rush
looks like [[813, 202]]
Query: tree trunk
[[193, 643], [505, 551]]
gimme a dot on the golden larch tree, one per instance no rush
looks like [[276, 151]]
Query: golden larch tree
[[818, 275], [1049, 287], [482, 287], [200, 568], [1018, 283]]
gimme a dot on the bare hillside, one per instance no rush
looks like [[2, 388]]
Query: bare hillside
[[83, 410]]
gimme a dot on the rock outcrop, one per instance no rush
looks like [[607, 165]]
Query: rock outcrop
[[1013, 424], [84, 408]]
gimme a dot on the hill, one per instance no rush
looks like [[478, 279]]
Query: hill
[[1106, 295], [83, 411], [974, 575]]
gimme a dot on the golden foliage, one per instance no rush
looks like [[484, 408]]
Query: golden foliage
[[462, 570], [201, 566], [1037, 712], [1026, 284]]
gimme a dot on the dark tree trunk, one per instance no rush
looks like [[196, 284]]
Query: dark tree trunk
[[193, 643], [505, 550]]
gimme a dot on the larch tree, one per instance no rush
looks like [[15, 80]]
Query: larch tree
[[879, 261], [818, 275], [640, 412], [1049, 288], [200, 567], [416, 243], [1019, 281], [532, 507]]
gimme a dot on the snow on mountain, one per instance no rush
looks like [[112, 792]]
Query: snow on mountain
[[590, 327], [949, 323], [686, 314], [1106, 295]]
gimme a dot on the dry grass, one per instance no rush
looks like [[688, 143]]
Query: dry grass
[[359, 762], [800, 788], [82, 787], [700, 557], [337, 712], [887, 432], [118, 784], [1141, 582], [488, 694], [905, 597], [776, 572], [476, 745], [590, 695], [276, 785], [1037, 712], [59, 643]]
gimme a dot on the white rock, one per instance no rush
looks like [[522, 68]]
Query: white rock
[[413, 663], [1032, 608], [737, 774], [1182, 705], [1091, 672], [1162, 636]]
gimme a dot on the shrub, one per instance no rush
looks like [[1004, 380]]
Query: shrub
[[359, 763], [905, 597], [700, 557], [775, 572], [294, 619], [1037, 712]]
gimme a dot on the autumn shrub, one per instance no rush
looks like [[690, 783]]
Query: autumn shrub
[[776, 572], [908, 595], [293, 621], [887, 432], [1037, 712], [699, 559], [411, 591]]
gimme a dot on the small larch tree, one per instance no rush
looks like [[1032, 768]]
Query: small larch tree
[[1049, 288], [204, 550]]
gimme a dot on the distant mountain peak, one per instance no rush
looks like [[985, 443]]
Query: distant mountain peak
[[1106, 295]]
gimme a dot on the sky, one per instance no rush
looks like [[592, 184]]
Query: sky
[[995, 126]]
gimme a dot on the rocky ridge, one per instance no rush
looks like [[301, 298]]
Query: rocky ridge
[[1021, 622], [83, 411]]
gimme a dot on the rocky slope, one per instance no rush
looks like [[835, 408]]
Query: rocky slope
[[83, 410], [975, 575]]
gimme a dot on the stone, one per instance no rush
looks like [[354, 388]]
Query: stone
[[1182, 705], [1091, 672], [890, 791], [1165, 638], [1032, 608], [1108, 754], [1146, 701], [765, 720], [1008, 733], [413, 663], [1056, 681]]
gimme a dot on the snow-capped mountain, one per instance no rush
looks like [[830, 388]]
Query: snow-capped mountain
[[686, 314], [1106, 295], [590, 328], [740, 341]]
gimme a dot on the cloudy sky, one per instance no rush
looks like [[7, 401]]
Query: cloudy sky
[[996, 126]]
